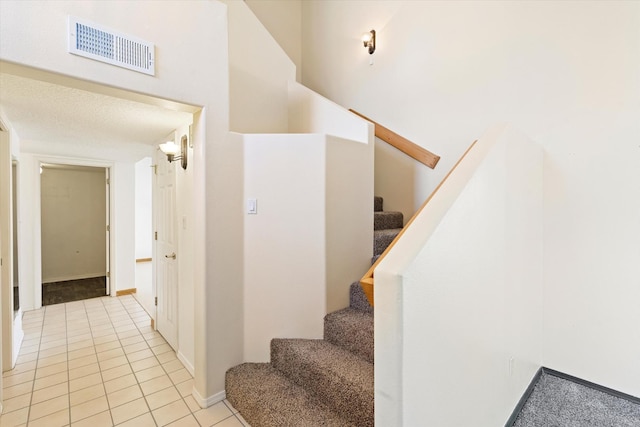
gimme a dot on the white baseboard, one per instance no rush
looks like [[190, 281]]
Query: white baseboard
[[211, 400], [188, 366]]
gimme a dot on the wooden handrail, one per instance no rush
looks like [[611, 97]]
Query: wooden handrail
[[422, 155], [367, 280]]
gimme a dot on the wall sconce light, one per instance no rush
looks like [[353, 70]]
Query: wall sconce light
[[171, 150], [369, 40]]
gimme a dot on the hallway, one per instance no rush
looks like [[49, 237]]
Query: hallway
[[98, 363]]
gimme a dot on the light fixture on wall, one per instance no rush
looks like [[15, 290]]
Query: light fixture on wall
[[172, 150], [369, 40]]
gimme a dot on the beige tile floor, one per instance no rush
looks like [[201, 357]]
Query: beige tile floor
[[98, 363]]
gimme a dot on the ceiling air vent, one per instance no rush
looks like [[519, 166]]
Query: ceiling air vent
[[103, 44]]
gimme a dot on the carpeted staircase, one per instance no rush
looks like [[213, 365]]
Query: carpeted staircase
[[326, 382]]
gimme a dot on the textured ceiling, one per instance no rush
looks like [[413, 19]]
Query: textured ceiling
[[46, 112]]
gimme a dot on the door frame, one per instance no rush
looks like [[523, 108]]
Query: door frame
[[71, 161]]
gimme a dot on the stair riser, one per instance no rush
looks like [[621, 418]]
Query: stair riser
[[377, 204], [351, 330], [357, 298], [382, 239], [349, 394], [386, 220]]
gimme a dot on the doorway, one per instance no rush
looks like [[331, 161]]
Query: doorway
[[74, 232]]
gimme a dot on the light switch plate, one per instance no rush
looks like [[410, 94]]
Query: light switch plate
[[252, 206]]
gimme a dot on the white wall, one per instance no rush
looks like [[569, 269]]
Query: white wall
[[186, 73], [439, 63], [568, 75], [123, 259], [470, 269], [74, 217], [143, 208], [259, 71], [145, 291], [592, 249], [348, 216], [283, 19]]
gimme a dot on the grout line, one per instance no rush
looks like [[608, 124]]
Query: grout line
[[84, 305], [35, 369], [66, 340]]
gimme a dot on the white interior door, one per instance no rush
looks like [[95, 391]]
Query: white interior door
[[166, 262]]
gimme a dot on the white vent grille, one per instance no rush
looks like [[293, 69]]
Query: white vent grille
[[103, 44]]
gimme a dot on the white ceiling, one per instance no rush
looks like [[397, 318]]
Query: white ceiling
[[51, 113]]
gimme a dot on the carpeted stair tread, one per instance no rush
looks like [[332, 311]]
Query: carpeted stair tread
[[383, 238], [342, 380], [387, 219], [377, 203], [357, 298], [266, 398], [352, 330]]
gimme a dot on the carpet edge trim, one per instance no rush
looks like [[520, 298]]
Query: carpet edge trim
[[594, 386], [525, 396]]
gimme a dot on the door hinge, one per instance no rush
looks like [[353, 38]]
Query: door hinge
[[156, 301], [108, 181], [156, 235], [108, 275], [108, 228], [155, 169]]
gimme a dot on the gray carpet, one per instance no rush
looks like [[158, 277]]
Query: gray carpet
[[556, 402]]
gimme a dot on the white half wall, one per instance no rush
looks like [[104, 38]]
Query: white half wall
[[311, 237], [285, 265], [458, 300]]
